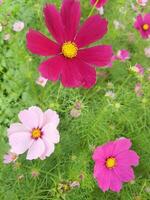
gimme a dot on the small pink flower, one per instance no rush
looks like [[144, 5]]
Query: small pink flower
[[123, 55], [139, 69], [142, 24], [147, 52], [1, 1], [10, 157], [113, 164], [41, 81], [99, 4], [18, 26], [37, 133], [138, 89], [35, 173], [142, 2]]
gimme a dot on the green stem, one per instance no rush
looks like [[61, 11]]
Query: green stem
[[59, 91], [93, 8]]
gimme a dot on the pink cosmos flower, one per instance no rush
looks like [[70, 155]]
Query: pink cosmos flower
[[18, 26], [139, 69], [41, 81], [123, 55], [69, 60], [142, 24], [10, 157], [113, 164], [37, 133], [142, 2], [99, 4], [138, 89]]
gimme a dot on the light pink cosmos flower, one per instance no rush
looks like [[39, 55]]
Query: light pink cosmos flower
[[147, 52], [18, 26], [139, 69], [41, 81], [10, 157], [123, 55], [36, 133], [69, 58], [99, 4], [142, 2], [138, 89], [142, 24], [113, 164]]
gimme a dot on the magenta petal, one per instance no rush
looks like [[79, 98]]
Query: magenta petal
[[93, 29], [98, 154], [121, 145], [103, 177], [70, 13], [115, 182], [51, 68], [39, 44], [99, 4], [128, 158], [54, 22], [98, 55], [124, 173]]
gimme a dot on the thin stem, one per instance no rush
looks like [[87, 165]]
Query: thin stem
[[92, 10], [59, 91]]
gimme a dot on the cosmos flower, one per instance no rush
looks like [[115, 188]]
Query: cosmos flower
[[138, 89], [147, 52], [123, 55], [37, 133], [142, 24], [18, 26], [113, 164], [139, 69], [142, 2], [10, 157], [99, 4], [69, 60], [41, 81]]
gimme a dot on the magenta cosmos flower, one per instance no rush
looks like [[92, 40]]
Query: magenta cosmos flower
[[37, 133], [113, 163], [142, 24], [69, 60], [99, 3]]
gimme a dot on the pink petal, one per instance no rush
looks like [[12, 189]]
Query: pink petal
[[115, 182], [54, 22], [36, 149], [93, 29], [39, 44], [39, 114], [51, 69], [50, 133], [99, 155], [16, 127], [147, 18], [121, 145], [139, 21], [70, 13], [99, 4], [88, 74], [20, 142], [29, 118], [124, 173], [98, 55], [103, 178], [51, 116], [49, 149], [128, 158]]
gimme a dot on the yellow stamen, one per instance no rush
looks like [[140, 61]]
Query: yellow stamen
[[146, 27], [69, 49], [110, 162], [36, 133]]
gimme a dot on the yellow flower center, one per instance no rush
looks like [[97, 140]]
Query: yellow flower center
[[146, 27], [110, 162], [36, 133], [69, 49]]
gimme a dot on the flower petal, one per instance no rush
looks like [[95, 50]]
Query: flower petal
[[16, 127], [51, 116], [98, 55], [128, 158], [36, 149], [29, 119], [39, 44], [20, 142], [124, 173], [51, 68], [54, 22], [93, 29], [39, 113], [50, 133], [49, 149], [115, 182], [121, 145], [70, 13]]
